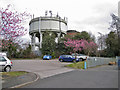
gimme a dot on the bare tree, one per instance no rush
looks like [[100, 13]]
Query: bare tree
[[101, 41], [115, 25]]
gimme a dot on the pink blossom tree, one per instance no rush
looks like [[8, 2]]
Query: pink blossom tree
[[79, 45], [11, 25], [90, 47]]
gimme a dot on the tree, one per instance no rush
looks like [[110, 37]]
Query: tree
[[27, 53], [102, 41], [115, 25], [112, 44], [82, 35], [79, 45], [10, 47], [11, 29], [48, 44], [85, 35], [11, 24], [90, 48]]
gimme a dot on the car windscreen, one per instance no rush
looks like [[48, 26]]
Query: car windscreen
[[2, 58]]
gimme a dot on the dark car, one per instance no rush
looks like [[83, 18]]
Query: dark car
[[68, 58], [47, 57]]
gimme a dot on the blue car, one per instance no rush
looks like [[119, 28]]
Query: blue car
[[47, 57], [119, 64], [68, 58]]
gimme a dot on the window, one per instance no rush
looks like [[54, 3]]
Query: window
[[2, 59]]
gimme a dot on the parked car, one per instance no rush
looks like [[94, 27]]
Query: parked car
[[3, 54], [47, 57], [81, 57], [68, 58], [5, 64]]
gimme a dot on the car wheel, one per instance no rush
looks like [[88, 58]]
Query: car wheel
[[61, 60], [7, 69], [74, 61]]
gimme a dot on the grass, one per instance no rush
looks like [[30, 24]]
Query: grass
[[12, 74], [78, 65]]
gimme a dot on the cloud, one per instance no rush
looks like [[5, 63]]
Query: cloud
[[98, 20]]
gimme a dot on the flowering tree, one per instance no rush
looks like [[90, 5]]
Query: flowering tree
[[90, 47], [79, 45], [11, 25]]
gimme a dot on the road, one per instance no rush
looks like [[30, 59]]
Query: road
[[54, 75], [44, 68], [93, 78]]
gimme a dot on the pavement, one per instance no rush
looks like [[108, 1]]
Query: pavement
[[17, 82]]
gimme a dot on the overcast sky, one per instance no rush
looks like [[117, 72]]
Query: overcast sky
[[83, 15]]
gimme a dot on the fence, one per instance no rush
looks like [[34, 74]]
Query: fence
[[96, 61]]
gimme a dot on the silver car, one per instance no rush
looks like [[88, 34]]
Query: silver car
[[5, 64]]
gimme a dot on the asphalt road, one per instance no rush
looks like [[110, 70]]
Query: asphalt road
[[44, 68], [100, 77], [53, 74]]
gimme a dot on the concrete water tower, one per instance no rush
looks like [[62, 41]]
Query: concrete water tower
[[52, 23]]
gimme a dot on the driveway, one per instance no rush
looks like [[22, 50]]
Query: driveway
[[44, 68]]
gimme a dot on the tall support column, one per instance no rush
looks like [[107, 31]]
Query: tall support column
[[34, 36], [33, 41], [40, 33], [60, 25], [58, 34], [63, 35], [40, 40]]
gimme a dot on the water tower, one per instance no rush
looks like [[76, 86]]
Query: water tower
[[49, 22]]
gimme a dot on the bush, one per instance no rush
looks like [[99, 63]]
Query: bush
[[53, 55], [29, 55]]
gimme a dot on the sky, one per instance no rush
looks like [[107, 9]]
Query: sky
[[83, 15]]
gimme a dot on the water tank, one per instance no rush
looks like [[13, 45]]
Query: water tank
[[55, 24], [39, 25]]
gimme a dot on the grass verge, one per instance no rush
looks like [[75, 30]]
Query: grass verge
[[78, 65], [12, 74]]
